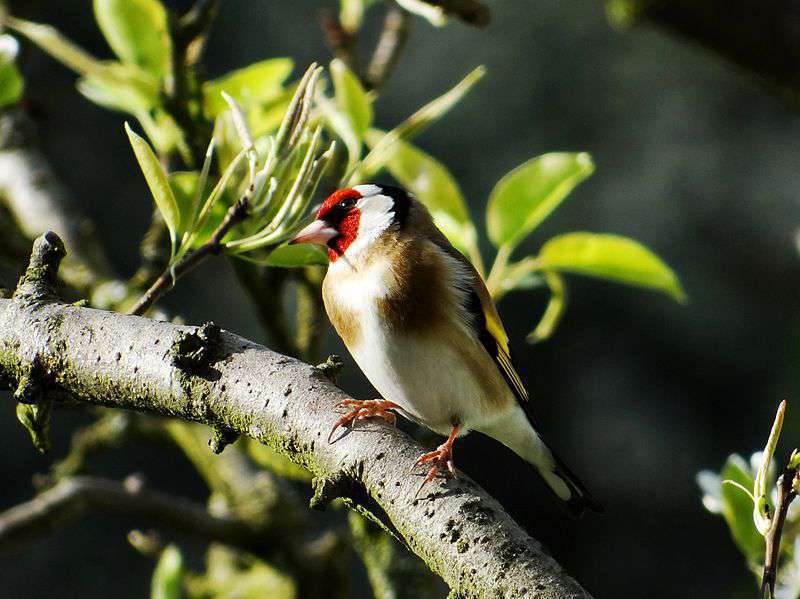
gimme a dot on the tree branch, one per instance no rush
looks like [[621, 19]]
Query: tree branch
[[113, 360], [760, 36], [73, 496], [392, 41]]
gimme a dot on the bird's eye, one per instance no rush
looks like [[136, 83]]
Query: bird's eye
[[347, 203]]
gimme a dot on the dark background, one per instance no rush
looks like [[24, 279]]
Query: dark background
[[637, 392]]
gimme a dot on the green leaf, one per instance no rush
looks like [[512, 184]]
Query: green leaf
[[351, 97], [292, 256], [252, 85], [184, 188], [431, 182], [416, 124], [11, 82], [137, 32], [610, 257], [168, 575], [51, 41], [342, 127], [158, 183], [737, 508], [120, 87], [351, 13], [528, 194]]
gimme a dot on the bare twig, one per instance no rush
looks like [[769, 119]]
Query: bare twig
[[236, 214], [74, 496], [392, 41], [113, 360], [341, 42], [786, 495]]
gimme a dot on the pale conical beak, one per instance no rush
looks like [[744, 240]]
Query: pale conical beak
[[318, 232]]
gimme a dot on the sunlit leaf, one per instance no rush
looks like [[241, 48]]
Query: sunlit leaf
[[137, 32], [351, 96], [290, 256], [158, 183], [417, 123], [528, 194], [351, 13], [266, 117], [435, 15], [119, 87], [610, 257], [184, 188], [431, 182], [51, 41], [342, 127], [11, 84], [168, 575], [737, 508], [255, 84]]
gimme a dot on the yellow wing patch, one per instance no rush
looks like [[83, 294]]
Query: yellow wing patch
[[494, 339]]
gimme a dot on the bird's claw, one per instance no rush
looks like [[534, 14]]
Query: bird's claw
[[361, 410], [443, 465]]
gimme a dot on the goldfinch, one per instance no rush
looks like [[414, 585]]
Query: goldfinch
[[420, 323]]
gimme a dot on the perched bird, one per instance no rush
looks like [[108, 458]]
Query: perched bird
[[419, 321]]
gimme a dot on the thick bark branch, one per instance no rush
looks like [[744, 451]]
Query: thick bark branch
[[113, 360]]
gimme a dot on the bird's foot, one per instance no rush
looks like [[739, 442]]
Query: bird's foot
[[441, 461], [361, 409]]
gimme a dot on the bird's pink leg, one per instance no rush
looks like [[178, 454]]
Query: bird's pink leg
[[361, 409], [442, 458]]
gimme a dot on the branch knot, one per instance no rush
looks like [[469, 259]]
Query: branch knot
[[194, 352], [38, 284]]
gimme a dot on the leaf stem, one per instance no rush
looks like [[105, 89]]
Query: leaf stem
[[498, 269], [555, 308], [236, 214]]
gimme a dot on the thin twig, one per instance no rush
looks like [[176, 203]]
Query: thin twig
[[390, 46], [341, 42], [74, 496], [786, 495], [236, 214]]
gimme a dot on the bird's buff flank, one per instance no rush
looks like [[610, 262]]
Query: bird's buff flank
[[418, 320]]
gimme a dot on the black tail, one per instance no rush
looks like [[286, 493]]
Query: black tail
[[579, 500]]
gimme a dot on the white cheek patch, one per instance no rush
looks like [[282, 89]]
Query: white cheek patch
[[377, 212], [367, 190]]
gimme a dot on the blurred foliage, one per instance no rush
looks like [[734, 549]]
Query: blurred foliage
[[11, 84]]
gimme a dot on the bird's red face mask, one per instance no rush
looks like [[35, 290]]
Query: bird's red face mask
[[336, 225]]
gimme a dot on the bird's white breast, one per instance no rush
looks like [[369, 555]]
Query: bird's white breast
[[419, 372]]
